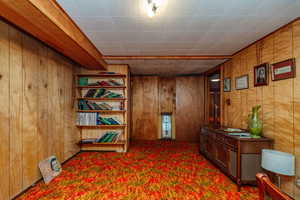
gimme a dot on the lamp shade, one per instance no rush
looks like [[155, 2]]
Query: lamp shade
[[278, 162]]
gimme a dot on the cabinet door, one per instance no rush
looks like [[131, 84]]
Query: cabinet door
[[222, 155], [210, 147]]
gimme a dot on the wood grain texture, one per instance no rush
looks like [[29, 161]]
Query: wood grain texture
[[72, 42], [30, 102], [4, 112], [25, 119], [145, 108], [296, 54], [16, 108], [189, 105], [152, 95], [279, 99]]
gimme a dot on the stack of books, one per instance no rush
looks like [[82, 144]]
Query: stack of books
[[105, 83], [91, 119], [109, 121], [102, 93], [90, 105], [111, 137]]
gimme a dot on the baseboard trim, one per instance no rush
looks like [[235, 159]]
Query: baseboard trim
[[36, 182]]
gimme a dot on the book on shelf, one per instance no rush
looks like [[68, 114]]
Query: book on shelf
[[111, 136], [83, 81], [108, 137], [102, 93], [90, 105], [93, 119]]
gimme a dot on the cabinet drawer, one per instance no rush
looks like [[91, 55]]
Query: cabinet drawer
[[231, 142]]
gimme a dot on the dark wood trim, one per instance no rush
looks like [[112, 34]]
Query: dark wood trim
[[176, 57], [61, 33]]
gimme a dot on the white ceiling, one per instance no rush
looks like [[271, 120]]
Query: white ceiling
[[183, 27]]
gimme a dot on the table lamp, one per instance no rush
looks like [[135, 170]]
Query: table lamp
[[280, 163]]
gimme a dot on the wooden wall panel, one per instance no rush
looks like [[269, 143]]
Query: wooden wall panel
[[16, 108], [34, 91], [267, 56], [183, 96], [30, 103], [296, 53], [280, 100], [144, 108], [189, 105], [167, 88], [4, 112]]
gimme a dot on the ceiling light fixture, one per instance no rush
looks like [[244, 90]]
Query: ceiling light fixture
[[153, 7]]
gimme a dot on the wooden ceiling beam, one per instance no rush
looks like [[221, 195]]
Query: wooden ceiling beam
[[195, 57], [47, 21]]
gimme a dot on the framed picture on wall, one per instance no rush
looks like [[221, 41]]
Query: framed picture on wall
[[227, 85], [283, 70], [241, 82], [261, 75]]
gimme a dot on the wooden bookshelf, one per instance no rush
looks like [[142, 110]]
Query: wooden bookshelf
[[102, 143], [98, 86], [96, 131], [102, 126], [117, 75], [102, 99], [104, 111]]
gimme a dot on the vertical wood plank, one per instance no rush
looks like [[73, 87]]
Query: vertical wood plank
[[296, 54], [4, 112], [16, 97], [187, 101], [150, 103], [43, 130], [30, 75], [284, 107], [268, 91]]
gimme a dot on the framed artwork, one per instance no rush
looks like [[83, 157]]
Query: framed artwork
[[283, 70], [261, 75], [50, 168], [227, 85], [241, 82]]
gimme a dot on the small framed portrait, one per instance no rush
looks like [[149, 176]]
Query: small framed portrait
[[283, 70], [50, 168], [227, 85], [242, 82], [261, 75]]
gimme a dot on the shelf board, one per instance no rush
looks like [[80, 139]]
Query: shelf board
[[98, 86], [102, 143], [103, 75], [102, 99], [102, 126], [103, 111]]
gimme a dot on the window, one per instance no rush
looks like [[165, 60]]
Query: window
[[166, 123]]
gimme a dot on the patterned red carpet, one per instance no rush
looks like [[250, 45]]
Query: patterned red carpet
[[150, 170]]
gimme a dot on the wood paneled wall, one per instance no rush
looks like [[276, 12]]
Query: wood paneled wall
[[37, 117], [183, 96], [280, 100]]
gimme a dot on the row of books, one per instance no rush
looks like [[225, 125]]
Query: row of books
[[102, 93], [95, 119], [108, 137], [106, 83], [90, 105], [84, 81]]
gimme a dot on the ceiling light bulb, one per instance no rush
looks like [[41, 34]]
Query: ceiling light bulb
[[153, 6]]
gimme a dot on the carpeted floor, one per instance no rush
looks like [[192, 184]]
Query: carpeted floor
[[150, 170]]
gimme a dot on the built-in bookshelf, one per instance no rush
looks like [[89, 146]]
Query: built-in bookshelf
[[102, 110]]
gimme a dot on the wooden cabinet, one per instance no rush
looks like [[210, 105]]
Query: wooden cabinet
[[239, 158]]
